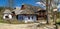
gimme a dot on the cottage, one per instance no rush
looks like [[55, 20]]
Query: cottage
[[7, 14], [41, 13], [25, 14]]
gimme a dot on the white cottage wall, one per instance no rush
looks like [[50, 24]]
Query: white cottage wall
[[4, 16], [25, 19], [10, 16], [32, 19]]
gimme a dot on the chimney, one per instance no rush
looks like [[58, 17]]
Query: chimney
[[23, 7]]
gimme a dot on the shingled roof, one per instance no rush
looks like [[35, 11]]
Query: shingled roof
[[7, 11], [26, 11], [32, 8]]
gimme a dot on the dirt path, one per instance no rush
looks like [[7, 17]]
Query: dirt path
[[16, 26], [24, 26]]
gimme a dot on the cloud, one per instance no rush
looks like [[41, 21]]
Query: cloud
[[42, 5], [37, 2], [58, 6]]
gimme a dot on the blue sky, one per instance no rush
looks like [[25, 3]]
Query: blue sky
[[3, 2], [17, 2]]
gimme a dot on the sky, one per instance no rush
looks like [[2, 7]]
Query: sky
[[3, 2], [18, 3]]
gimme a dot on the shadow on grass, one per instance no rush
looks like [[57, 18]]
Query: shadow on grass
[[58, 21]]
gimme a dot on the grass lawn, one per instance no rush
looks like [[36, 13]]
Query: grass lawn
[[1, 19]]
